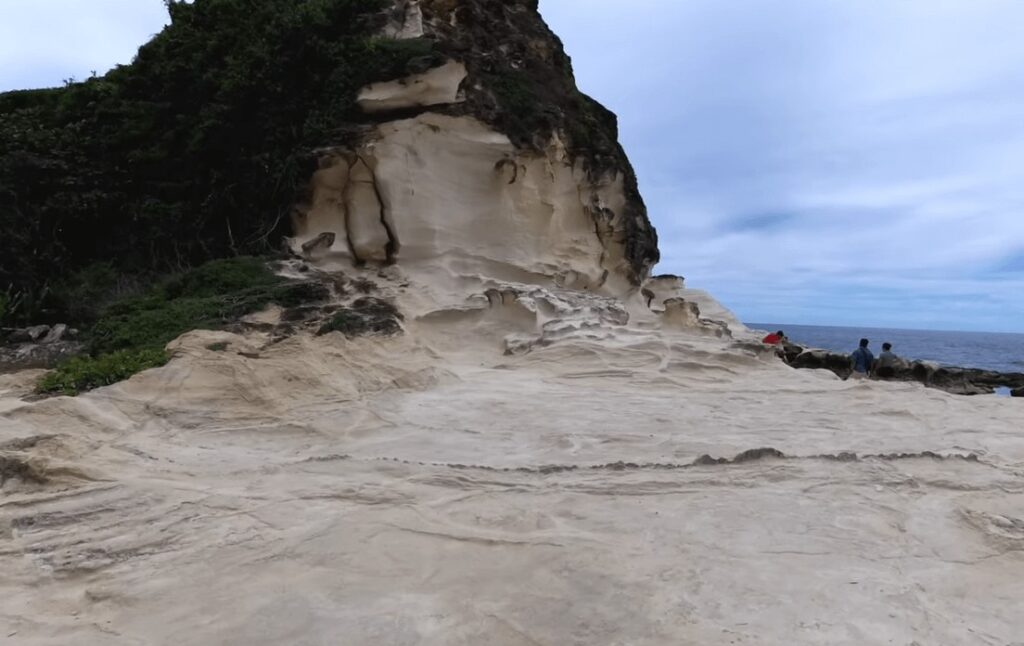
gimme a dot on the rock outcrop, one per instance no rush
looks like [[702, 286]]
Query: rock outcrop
[[489, 158], [960, 381], [491, 183], [436, 86]]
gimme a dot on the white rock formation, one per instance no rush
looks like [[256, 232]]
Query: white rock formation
[[437, 86], [451, 192], [476, 482]]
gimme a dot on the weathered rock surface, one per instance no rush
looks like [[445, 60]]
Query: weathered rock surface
[[543, 185], [437, 86], [435, 488]]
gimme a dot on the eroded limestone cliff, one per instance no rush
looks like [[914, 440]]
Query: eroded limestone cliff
[[486, 153]]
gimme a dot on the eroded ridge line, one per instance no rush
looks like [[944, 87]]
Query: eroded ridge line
[[749, 456]]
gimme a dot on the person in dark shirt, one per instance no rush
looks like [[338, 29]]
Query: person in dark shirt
[[887, 363], [862, 360]]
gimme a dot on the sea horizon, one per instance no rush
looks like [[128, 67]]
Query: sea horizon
[[848, 326], [998, 351]]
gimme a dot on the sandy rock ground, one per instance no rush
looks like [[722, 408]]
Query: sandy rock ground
[[429, 489], [527, 464]]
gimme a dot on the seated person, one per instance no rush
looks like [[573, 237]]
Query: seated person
[[887, 363], [774, 338], [862, 360]]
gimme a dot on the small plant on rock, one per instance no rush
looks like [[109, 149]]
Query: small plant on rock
[[80, 374]]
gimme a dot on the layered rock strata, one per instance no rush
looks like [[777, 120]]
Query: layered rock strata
[[491, 158]]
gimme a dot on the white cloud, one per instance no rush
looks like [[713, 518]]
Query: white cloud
[[889, 131]]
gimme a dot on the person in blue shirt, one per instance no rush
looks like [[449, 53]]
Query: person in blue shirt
[[862, 359]]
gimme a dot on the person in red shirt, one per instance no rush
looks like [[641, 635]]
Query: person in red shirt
[[782, 345]]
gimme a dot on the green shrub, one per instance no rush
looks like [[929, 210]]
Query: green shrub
[[521, 103], [196, 150], [130, 334], [220, 277], [86, 373], [11, 302], [82, 296], [207, 297]]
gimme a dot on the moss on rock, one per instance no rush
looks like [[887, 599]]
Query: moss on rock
[[366, 316]]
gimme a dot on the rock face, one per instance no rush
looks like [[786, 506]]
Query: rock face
[[487, 179], [485, 170], [438, 86], [491, 159]]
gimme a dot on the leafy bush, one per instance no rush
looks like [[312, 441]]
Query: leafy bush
[[522, 104], [220, 277], [130, 335], [82, 296], [207, 297], [195, 151], [86, 373]]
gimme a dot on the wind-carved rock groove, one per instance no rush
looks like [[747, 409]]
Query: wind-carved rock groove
[[746, 457], [346, 197], [392, 246]]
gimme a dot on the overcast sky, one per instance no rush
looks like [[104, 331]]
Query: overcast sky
[[855, 162]]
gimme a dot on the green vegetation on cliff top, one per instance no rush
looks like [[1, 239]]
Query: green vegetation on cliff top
[[194, 151]]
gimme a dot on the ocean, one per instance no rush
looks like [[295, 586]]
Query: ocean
[[987, 350]]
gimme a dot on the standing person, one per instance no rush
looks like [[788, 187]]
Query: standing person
[[887, 363], [862, 360]]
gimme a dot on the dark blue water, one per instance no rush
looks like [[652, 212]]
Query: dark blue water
[[988, 350]]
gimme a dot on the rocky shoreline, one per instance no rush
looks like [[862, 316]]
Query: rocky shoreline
[[956, 380]]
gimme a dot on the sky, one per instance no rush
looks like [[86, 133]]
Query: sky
[[842, 162]]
